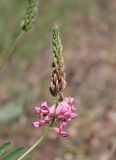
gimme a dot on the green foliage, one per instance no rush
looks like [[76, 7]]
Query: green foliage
[[5, 147], [14, 155]]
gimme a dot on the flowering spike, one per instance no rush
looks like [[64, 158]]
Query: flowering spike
[[63, 111], [58, 83], [57, 46], [30, 16]]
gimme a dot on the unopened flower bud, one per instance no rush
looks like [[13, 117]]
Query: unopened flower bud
[[58, 74]]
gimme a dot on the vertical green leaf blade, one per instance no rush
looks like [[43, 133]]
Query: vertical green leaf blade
[[15, 154], [5, 147]]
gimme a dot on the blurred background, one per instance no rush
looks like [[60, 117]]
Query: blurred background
[[88, 30]]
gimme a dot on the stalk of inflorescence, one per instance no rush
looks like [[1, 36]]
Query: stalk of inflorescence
[[38, 142], [26, 25], [32, 148]]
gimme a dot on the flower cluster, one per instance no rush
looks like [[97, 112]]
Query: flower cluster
[[58, 116]]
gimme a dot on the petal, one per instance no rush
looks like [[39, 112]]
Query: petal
[[37, 109], [44, 109], [69, 100], [64, 134], [52, 109], [73, 115], [64, 108], [63, 117], [73, 108], [42, 122], [69, 119], [63, 124], [60, 132], [36, 124], [56, 129], [59, 109], [44, 104], [67, 113], [47, 118]]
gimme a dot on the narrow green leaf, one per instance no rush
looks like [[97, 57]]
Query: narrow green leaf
[[15, 154], [28, 158], [5, 147]]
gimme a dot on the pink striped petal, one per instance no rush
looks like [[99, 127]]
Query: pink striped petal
[[64, 134], [44, 104], [36, 124], [73, 115], [57, 130], [37, 109]]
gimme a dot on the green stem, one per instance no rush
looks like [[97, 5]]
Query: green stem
[[36, 143], [32, 148], [10, 51]]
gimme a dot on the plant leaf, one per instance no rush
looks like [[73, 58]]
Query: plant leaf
[[15, 154], [28, 158], [5, 147]]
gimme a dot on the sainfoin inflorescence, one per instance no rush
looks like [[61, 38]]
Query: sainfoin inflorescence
[[63, 111], [55, 117]]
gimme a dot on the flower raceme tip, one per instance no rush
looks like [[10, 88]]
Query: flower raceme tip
[[58, 116]]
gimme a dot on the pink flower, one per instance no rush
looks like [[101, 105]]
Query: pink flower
[[42, 109], [61, 115], [44, 115], [60, 130], [65, 109]]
